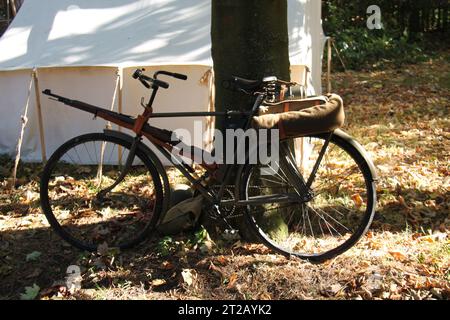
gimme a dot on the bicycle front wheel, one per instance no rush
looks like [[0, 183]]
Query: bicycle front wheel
[[72, 198], [339, 209]]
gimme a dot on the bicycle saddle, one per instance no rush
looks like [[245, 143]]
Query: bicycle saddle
[[237, 83]]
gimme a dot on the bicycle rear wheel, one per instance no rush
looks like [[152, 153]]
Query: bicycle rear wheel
[[70, 199], [339, 211]]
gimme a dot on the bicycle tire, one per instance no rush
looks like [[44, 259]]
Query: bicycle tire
[[364, 225], [99, 137]]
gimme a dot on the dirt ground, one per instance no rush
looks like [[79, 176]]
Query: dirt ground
[[401, 116]]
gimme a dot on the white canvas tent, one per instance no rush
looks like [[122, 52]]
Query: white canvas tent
[[87, 50]]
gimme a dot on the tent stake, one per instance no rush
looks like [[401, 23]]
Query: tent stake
[[39, 111], [24, 121]]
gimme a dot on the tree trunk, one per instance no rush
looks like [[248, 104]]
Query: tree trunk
[[414, 20], [249, 39], [445, 17]]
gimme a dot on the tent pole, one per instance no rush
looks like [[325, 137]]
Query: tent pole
[[108, 126], [24, 121], [119, 104], [329, 65], [39, 112]]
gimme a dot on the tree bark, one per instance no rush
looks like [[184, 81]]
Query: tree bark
[[250, 40]]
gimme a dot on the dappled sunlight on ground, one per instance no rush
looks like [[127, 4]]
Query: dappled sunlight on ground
[[400, 116]]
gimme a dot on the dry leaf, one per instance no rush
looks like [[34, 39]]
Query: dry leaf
[[167, 265], [429, 239], [374, 245], [358, 200], [232, 281], [398, 255], [189, 276], [158, 282], [265, 296], [402, 201], [222, 260]]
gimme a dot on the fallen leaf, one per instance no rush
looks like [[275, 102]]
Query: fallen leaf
[[265, 296], [402, 201], [189, 275], [167, 265], [398, 255], [232, 281], [158, 282], [429, 239], [31, 196], [222, 260], [374, 245], [358, 200]]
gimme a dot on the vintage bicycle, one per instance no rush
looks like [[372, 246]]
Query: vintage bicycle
[[110, 187]]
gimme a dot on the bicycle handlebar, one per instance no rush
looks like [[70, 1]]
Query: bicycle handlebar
[[171, 74], [146, 80]]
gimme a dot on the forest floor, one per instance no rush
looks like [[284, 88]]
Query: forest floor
[[402, 118]]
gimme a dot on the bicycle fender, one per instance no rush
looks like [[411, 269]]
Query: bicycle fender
[[349, 139], [153, 158]]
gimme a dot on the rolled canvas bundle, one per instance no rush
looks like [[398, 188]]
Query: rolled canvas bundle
[[296, 118]]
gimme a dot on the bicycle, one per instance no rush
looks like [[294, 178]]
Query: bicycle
[[110, 187]]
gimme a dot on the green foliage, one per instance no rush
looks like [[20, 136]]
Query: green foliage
[[362, 48], [399, 42], [166, 246], [199, 237], [30, 292], [33, 256]]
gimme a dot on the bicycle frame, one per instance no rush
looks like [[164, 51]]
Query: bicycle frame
[[164, 142], [162, 138]]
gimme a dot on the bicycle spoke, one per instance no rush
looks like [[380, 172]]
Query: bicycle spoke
[[119, 217], [335, 220]]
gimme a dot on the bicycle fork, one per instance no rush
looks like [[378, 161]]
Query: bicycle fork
[[290, 170], [127, 167]]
